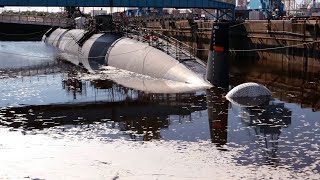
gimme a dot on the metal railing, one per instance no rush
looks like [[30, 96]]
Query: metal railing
[[182, 16], [173, 47], [39, 20]]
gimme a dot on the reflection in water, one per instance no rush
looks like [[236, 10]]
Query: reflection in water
[[59, 101], [286, 129], [73, 85], [146, 83], [134, 111], [267, 120], [267, 136], [149, 127], [218, 115], [288, 81]]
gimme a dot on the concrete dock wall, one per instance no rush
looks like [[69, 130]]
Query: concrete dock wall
[[293, 43], [287, 42]]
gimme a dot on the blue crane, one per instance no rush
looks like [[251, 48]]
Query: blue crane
[[222, 8], [270, 8]]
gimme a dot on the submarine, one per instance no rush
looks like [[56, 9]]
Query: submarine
[[94, 50]]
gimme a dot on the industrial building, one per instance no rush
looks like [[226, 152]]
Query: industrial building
[[275, 9]]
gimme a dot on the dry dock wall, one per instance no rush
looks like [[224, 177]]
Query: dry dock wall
[[291, 43], [22, 32], [286, 42]]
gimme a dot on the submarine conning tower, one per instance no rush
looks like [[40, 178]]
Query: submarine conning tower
[[120, 52]]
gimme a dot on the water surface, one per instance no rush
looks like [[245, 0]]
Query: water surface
[[59, 122]]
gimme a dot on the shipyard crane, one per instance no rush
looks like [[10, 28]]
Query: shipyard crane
[[271, 8], [308, 7]]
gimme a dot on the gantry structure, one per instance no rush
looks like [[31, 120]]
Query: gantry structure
[[223, 7]]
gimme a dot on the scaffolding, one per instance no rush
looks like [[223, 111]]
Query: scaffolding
[[304, 8], [290, 7]]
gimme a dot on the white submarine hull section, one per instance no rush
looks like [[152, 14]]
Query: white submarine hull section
[[55, 37], [92, 53], [123, 53], [135, 56], [66, 41]]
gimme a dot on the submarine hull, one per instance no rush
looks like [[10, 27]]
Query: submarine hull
[[123, 53]]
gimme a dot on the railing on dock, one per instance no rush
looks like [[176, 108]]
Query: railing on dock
[[173, 47], [38, 20], [181, 16]]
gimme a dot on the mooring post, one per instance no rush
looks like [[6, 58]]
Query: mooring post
[[217, 64]]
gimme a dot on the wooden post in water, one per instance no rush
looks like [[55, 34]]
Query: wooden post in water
[[217, 64]]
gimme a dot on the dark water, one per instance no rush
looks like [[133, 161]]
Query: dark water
[[56, 121]]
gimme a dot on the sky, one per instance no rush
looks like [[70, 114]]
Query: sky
[[49, 9]]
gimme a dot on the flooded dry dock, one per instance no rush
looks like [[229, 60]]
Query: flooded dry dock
[[60, 122]]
